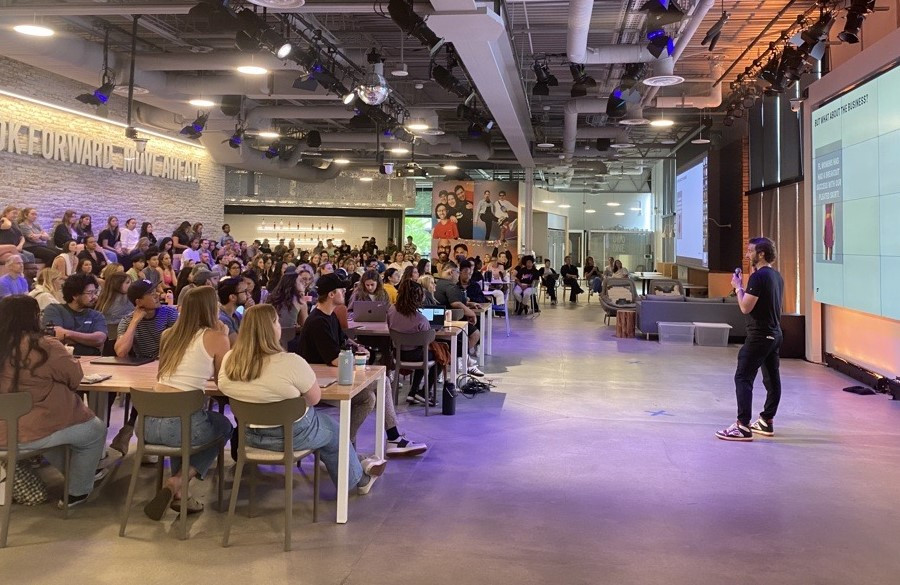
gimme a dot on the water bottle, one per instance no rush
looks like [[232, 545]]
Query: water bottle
[[448, 317], [345, 367], [448, 399]]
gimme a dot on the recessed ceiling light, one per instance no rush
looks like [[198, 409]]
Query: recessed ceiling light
[[622, 145], [341, 161], [634, 208], [268, 134], [619, 213], [545, 145], [548, 201], [564, 206], [252, 70], [400, 150], [401, 71], [700, 140], [590, 211], [662, 123], [137, 90], [668, 141], [201, 103], [34, 30], [451, 168], [613, 204], [417, 126], [366, 179]]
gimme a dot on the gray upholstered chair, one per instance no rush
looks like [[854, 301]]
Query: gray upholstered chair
[[617, 293]]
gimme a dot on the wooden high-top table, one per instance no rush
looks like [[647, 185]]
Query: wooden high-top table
[[124, 378]]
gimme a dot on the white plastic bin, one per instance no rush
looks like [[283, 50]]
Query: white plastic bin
[[712, 334], [676, 333]]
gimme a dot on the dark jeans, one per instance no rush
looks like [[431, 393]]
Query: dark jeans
[[549, 283], [415, 355], [758, 352], [575, 290]]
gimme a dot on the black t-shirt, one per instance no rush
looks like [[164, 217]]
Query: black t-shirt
[[767, 285], [109, 237], [568, 270], [526, 276], [321, 338]]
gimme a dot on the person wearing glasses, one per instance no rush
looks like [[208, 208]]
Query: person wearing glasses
[[75, 322], [232, 295]]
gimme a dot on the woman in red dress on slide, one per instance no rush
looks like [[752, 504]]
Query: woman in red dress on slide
[[445, 229], [829, 231]]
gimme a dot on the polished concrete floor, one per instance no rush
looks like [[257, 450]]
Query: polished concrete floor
[[593, 461]]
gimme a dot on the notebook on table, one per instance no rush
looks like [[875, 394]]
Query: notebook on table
[[125, 361], [370, 311], [435, 316]]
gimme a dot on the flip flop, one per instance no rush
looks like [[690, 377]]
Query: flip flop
[[156, 507]]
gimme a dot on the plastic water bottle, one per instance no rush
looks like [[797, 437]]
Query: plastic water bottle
[[345, 368], [448, 317]]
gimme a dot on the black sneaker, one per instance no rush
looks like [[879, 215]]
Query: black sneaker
[[736, 432], [403, 446], [761, 427], [73, 501]]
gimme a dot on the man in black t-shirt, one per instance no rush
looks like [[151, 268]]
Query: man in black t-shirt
[[569, 273], [761, 302], [527, 277], [321, 340]]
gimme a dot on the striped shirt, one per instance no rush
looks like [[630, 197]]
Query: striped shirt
[[149, 331]]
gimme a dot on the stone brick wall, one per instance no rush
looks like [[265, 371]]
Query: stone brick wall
[[54, 186]]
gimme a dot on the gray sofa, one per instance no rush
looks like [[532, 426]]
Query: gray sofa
[[653, 309]]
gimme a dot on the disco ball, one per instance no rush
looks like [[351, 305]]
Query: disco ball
[[373, 89]]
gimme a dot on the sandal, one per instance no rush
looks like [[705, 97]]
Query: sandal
[[193, 506], [156, 507]]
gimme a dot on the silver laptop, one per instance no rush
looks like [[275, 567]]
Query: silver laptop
[[370, 311]]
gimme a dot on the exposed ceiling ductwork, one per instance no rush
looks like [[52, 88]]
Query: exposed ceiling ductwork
[[261, 116], [249, 159]]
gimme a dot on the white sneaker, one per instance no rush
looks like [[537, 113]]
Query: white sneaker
[[474, 371], [403, 446]]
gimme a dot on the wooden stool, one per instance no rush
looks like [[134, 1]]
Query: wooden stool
[[625, 323]]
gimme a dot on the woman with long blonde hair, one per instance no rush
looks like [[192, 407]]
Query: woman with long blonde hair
[[48, 288], [190, 353], [258, 370]]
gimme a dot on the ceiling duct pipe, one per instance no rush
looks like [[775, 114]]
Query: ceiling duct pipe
[[580, 12], [260, 117], [713, 100]]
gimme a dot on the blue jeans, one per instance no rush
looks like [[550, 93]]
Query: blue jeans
[[86, 441], [597, 284], [314, 430], [206, 426]]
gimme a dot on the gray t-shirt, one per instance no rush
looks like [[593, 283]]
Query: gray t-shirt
[[448, 292]]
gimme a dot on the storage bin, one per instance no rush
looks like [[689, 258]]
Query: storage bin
[[676, 333], [712, 334]]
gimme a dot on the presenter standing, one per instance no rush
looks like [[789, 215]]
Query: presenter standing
[[761, 302]]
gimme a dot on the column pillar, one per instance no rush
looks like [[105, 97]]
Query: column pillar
[[526, 218]]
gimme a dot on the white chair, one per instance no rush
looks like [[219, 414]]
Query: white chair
[[504, 308]]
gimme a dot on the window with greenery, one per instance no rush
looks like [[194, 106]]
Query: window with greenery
[[418, 221]]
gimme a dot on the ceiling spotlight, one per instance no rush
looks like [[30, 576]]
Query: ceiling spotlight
[[662, 122], [856, 14], [341, 161], [417, 125], [252, 70], [616, 106], [373, 89], [728, 121], [450, 167], [400, 150], [404, 16], [313, 139], [100, 95], [202, 103], [659, 42], [366, 179], [401, 71], [590, 211], [661, 13], [237, 138], [272, 151], [545, 145], [581, 81], [349, 98], [475, 129], [545, 79], [33, 30], [813, 40], [268, 134], [194, 130], [613, 204], [284, 50], [619, 213], [449, 82], [713, 34]]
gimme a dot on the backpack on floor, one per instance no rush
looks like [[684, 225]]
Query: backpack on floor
[[28, 489]]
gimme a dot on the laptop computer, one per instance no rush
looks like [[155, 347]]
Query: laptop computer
[[435, 316], [370, 311], [125, 361]]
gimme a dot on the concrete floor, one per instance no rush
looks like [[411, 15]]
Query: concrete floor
[[593, 462]]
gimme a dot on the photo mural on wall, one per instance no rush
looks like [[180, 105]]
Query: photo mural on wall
[[475, 218]]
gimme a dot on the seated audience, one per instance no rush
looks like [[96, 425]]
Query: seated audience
[[65, 230], [167, 274], [391, 280], [549, 276], [232, 294], [192, 253], [289, 301], [592, 274], [190, 353], [40, 365], [130, 235], [67, 262], [11, 239], [321, 340], [136, 272], [257, 370], [110, 239], [92, 254], [180, 238], [75, 321], [409, 273], [473, 289], [400, 262], [610, 267], [47, 288], [195, 276], [404, 317], [37, 241], [147, 232], [14, 282], [84, 228], [152, 271], [113, 300], [428, 288], [369, 288], [450, 295], [619, 271], [569, 273], [527, 278]]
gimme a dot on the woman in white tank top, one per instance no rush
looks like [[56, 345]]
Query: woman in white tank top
[[190, 353]]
